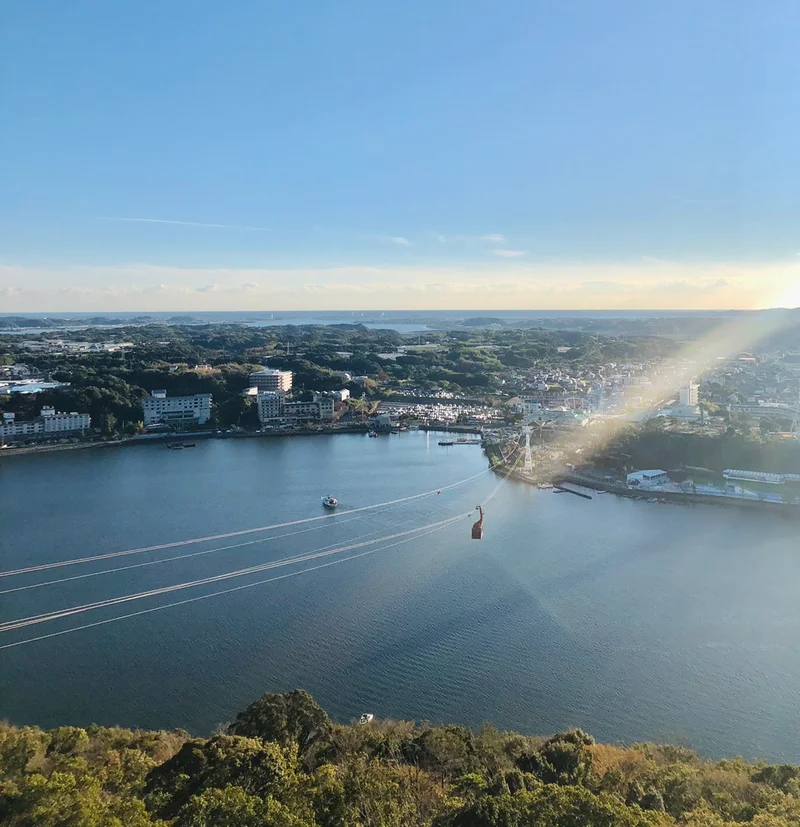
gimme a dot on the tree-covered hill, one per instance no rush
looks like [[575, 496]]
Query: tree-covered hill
[[284, 763]]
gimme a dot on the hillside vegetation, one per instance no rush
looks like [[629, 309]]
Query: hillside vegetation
[[284, 763]]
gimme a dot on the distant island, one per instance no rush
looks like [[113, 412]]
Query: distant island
[[284, 763], [55, 322]]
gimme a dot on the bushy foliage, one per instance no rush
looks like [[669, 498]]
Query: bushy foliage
[[284, 763]]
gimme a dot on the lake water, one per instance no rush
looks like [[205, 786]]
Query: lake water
[[632, 620]]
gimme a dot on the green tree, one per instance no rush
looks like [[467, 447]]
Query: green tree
[[550, 805], [233, 807], [109, 424], [289, 718], [62, 800], [67, 740], [562, 759], [18, 749], [258, 767]]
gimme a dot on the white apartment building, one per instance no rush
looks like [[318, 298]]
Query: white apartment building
[[49, 423], [270, 379], [325, 405], [176, 410], [270, 406], [337, 396], [690, 394], [273, 408]]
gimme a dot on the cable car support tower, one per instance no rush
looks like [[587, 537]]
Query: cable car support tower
[[526, 430]]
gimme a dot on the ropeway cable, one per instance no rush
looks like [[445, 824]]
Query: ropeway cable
[[423, 533], [57, 615], [181, 556], [241, 532], [499, 484]]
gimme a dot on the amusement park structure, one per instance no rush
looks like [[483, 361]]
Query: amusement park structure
[[773, 410]]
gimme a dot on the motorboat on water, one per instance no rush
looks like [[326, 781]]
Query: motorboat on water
[[330, 502], [365, 718]]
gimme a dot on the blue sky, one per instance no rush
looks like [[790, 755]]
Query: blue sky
[[569, 153]]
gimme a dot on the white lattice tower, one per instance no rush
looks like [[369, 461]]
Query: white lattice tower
[[528, 466]]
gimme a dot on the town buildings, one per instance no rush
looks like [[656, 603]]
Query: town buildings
[[274, 409], [272, 380], [48, 425], [176, 410], [689, 394]]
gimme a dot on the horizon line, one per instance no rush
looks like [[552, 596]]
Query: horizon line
[[481, 311]]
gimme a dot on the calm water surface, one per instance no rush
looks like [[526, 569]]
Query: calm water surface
[[631, 620]]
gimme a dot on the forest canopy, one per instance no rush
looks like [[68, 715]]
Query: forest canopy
[[284, 763]]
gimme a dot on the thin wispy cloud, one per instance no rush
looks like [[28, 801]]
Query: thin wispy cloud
[[509, 253], [400, 240], [491, 238], [186, 223]]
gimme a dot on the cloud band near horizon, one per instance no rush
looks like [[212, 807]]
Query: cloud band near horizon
[[642, 285]]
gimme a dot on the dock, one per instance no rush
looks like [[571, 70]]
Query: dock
[[560, 489]]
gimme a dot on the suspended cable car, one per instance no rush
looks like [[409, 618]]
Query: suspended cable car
[[477, 527]]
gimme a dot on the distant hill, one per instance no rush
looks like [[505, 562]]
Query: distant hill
[[483, 321]]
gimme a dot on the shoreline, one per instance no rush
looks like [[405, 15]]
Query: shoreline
[[172, 437], [358, 428], [490, 451], [557, 479]]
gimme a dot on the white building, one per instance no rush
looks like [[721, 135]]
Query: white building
[[382, 421], [690, 394], [270, 407], [648, 479], [270, 379], [273, 408], [15, 372], [326, 407], [337, 396], [760, 476], [176, 410], [49, 423]]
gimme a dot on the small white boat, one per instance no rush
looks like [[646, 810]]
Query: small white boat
[[330, 502], [365, 718]]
